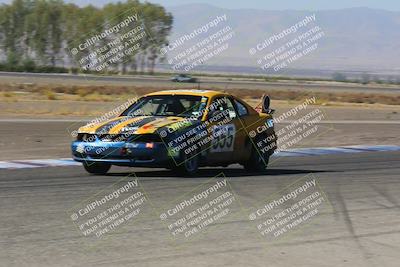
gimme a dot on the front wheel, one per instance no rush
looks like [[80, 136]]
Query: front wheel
[[96, 167], [189, 165]]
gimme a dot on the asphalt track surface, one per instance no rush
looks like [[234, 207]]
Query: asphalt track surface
[[205, 82], [360, 227], [51, 139]]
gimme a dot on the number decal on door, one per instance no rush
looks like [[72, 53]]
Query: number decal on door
[[223, 138]]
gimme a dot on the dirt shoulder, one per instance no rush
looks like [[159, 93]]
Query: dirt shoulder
[[73, 109]]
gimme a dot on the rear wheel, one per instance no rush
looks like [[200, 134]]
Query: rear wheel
[[96, 167], [257, 162]]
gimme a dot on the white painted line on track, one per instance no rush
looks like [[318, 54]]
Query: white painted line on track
[[316, 151], [296, 152], [37, 163]]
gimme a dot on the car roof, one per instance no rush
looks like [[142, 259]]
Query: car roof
[[207, 93]]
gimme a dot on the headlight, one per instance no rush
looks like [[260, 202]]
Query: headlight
[[130, 129], [85, 137]]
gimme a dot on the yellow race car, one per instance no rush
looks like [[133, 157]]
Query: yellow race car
[[180, 130]]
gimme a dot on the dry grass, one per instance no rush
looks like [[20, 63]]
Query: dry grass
[[113, 93], [8, 94], [49, 94], [321, 98]]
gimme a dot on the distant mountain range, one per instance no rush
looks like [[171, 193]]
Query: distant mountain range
[[355, 39]]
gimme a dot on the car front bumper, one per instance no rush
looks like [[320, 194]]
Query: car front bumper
[[136, 154]]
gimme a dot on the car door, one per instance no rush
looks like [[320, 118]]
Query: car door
[[246, 119], [253, 123], [227, 133]]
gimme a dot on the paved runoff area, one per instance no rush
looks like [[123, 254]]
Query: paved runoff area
[[330, 209]]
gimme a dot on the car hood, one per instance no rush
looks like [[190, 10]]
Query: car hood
[[136, 125]]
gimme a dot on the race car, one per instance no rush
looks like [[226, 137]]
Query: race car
[[180, 130], [183, 78]]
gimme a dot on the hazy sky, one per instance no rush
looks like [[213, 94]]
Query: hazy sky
[[393, 5], [292, 4]]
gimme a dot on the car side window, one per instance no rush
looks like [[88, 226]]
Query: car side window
[[224, 104], [231, 108], [241, 109]]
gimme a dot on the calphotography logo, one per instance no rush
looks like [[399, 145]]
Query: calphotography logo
[[201, 45], [197, 211], [280, 54], [110, 209], [290, 209]]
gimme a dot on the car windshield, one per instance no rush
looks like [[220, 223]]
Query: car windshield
[[168, 105]]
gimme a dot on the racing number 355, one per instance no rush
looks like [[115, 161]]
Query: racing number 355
[[224, 138]]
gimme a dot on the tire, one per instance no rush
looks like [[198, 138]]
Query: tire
[[190, 164], [97, 168], [256, 163]]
